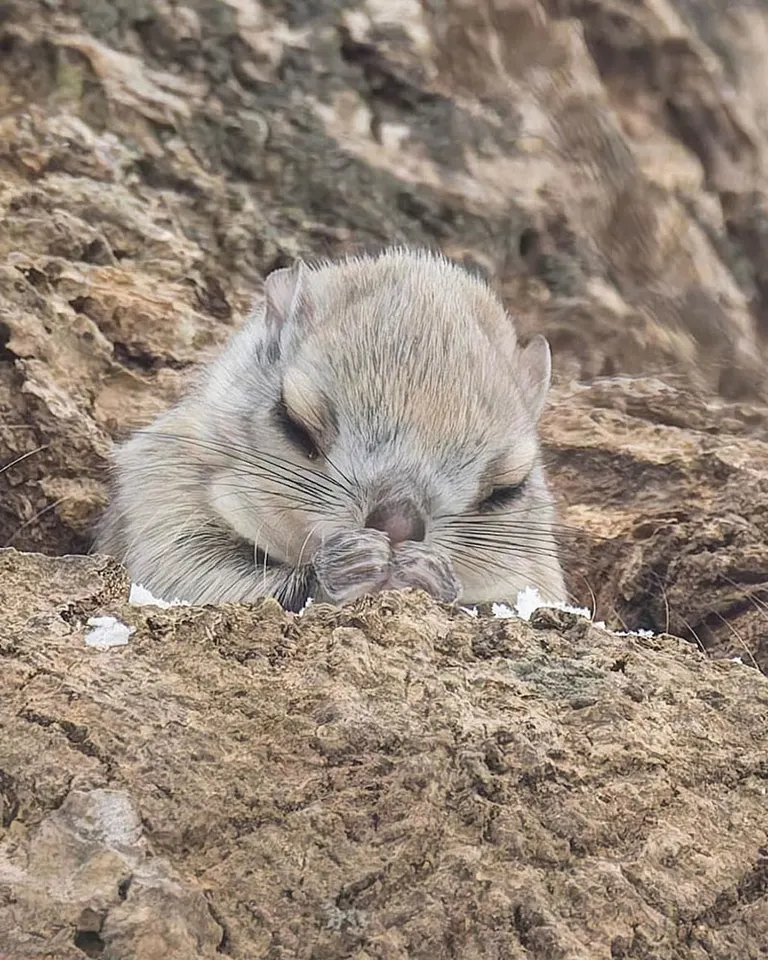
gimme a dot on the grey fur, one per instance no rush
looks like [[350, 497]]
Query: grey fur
[[406, 371]]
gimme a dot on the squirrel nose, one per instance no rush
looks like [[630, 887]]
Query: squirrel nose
[[400, 521]]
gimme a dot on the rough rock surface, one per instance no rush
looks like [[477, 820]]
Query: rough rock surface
[[391, 780], [674, 488]]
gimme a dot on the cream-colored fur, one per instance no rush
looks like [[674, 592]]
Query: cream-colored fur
[[405, 371]]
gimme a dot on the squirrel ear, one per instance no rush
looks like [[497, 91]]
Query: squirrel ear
[[283, 290], [535, 366]]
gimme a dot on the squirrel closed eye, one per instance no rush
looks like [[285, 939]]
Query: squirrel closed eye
[[501, 497], [295, 432]]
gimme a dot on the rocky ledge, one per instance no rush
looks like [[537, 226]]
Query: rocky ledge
[[394, 779]]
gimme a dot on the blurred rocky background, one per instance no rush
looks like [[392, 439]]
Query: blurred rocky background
[[604, 164]]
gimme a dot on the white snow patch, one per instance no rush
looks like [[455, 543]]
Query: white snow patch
[[310, 601], [107, 632], [529, 599], [141, 597], [502, 612]]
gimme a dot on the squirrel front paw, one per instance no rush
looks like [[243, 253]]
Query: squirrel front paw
[[418, 566], [349, 565]]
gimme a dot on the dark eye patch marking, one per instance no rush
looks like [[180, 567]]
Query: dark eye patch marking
[[270, 351], [295, 432], [501, 497]]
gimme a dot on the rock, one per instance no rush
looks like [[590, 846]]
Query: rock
[[85, 869], [392, 779], [673, 487]]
